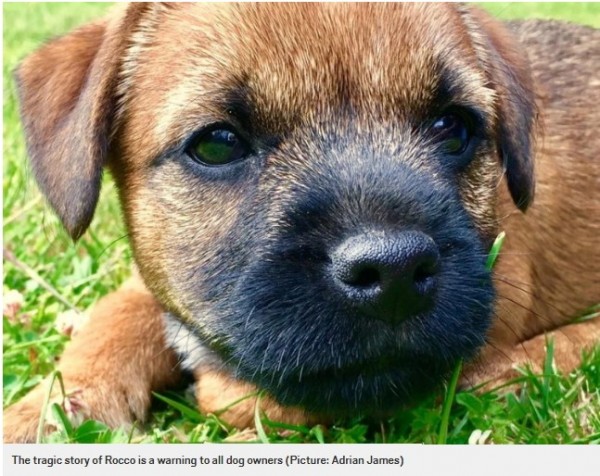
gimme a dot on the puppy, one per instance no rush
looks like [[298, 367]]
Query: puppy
[[311, 192]]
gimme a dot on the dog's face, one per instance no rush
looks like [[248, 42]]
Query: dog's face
[[312, 189]]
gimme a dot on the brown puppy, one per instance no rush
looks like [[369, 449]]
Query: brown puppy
[[311, 191]]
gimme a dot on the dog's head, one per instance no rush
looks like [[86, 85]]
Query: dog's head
[[310, 188]]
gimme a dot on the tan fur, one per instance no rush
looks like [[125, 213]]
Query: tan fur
[[548, 270]]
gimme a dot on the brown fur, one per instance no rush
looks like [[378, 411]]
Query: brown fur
[[547, 271], [122, 106]]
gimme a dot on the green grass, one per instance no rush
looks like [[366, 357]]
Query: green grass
[[584, 13], [549, 409]]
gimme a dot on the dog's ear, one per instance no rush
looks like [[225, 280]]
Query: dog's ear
[[67, 99], [508, 70]]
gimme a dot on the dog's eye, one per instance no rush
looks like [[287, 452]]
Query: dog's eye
[[453, 132], [218, 147]]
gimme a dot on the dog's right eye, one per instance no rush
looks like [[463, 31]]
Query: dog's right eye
[[217, 147]]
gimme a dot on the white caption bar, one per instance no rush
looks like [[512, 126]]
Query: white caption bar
[[284, 459]]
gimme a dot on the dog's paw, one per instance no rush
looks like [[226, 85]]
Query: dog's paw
[[22, 420], [482, 376], [236, 402], [497, 366], [30, 419]]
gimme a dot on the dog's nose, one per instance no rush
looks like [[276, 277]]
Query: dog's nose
[[388, 277]]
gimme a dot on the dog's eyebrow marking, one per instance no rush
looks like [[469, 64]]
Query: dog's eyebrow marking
[[450, 91], [448, 87], [236, 101], [467, 89]]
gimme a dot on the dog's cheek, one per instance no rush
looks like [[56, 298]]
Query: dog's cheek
[[180, 230]]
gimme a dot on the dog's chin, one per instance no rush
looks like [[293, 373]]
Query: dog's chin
[[366, 388]]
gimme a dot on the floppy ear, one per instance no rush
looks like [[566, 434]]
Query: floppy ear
[[508, 70], [67, 98]]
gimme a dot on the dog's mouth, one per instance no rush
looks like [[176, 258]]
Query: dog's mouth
[[365, 369], [369, 387]]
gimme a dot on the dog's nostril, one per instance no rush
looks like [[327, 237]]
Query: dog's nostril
[[364, 277], [425, 272]]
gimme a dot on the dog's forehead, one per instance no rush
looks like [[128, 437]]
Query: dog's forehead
[[196, 63]]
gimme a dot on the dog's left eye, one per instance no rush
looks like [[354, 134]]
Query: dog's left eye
[[218, 147], [453, 132]]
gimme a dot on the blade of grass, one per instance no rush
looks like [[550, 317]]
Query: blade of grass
[[185, 410], [93, 431], [548, 374], [592, 312], [60, 416], [222, 410], [495, 251], [317, 432], [260, 431], [286, 426], [448, 401], [56, 375], [33, 275]]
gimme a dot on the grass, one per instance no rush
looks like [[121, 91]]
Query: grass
[[53, 276]]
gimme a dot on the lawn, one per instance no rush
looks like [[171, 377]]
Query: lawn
[[46, 277]]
